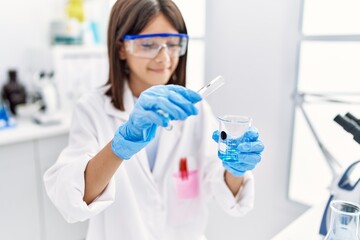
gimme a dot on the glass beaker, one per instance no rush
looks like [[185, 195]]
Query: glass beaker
[[344, 221], [231, 129]]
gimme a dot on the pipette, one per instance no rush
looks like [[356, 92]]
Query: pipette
[[205, 91], [211, 87]]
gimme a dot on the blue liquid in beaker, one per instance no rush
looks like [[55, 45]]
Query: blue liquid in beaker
[[229, 152]]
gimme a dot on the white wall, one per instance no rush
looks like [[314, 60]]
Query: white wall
[[24, 37], [253, 44]]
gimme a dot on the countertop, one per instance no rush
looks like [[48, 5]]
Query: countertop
[[26, 129], [304, 227]]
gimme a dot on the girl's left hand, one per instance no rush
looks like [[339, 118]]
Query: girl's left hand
[[249, 152]]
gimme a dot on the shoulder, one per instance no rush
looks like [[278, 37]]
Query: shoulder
[[94, 99], [91, 105]]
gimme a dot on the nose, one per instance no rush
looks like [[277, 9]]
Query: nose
[[163, 54]]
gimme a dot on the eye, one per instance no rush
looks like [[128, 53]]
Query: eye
[[172, 45], [173, 42], [149, 46]]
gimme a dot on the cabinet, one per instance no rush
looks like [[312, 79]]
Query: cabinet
[[26, 211], [19, 193], [55, 227]]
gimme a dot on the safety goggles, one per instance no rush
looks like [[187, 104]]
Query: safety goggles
[[149, 45]]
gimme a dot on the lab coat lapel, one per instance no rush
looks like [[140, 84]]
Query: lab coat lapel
[[167, 148], [143, 161], [166, 151]]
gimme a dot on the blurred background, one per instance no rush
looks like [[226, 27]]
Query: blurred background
[[272, 54]]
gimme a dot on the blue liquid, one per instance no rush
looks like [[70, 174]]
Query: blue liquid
[[230, 154]]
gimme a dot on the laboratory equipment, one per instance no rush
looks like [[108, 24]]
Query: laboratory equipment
[[6, 118], [50, 103], [211, 87], [347, 185], [350, 124], [66, 31], [231, 129], [245, 152], [337, 186], [352, 117], [344, 222], [205, 91], [13, 92]]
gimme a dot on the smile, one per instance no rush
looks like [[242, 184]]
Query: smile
[[160, 70]]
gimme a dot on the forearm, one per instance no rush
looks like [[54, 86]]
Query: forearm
[[234, 183], [99, 171]]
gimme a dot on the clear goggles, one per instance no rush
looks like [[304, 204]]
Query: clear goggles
[[149, 45]]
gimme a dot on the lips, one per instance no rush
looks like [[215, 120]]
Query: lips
[[159, 70]]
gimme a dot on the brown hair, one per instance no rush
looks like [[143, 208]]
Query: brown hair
[[131, 17]]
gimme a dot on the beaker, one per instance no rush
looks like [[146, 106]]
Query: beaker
[[231, 130], [344, 221]]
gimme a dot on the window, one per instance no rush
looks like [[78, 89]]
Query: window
[[329, 58]]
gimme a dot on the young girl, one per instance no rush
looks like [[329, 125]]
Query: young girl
[[122, 170]]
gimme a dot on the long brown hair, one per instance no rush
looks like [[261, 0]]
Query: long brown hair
[[131, 17]]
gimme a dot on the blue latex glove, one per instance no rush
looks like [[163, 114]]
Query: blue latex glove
[[176, 101], [250, 148]]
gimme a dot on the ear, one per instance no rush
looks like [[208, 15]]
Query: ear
[[122, 51]]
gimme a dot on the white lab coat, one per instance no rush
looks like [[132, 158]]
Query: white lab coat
[[139, 204]]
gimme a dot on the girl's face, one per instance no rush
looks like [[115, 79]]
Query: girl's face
[[145, 72]]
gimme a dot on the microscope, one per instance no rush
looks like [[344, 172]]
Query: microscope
[[46, 89], [347, 185]]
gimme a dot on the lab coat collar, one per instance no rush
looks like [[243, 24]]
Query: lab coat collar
[[167, 147], [128, 104]]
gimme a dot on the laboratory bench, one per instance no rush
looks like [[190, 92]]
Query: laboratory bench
[[26, 152], [27, 130], [306, 226]]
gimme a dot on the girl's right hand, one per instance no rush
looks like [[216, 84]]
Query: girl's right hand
[[176, 101]]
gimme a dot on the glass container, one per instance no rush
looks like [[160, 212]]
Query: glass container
[[344, 221]]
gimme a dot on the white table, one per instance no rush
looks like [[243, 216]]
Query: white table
[[305, 227], [26, 130]]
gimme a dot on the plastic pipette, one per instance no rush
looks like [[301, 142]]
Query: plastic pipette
[[205, 91]]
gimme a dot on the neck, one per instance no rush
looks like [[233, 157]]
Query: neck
[[137, 88]]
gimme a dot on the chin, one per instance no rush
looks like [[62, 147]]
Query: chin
[[160, 80]]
